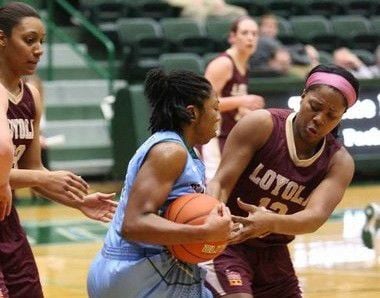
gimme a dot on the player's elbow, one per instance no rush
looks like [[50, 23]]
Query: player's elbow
[[312, 228], [130, 230], [6, 150], [6, 157], [127, 231], [314, 224]]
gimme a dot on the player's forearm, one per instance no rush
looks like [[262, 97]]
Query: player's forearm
[[6, 156], [229, 103], [20, 178], [214, 190], [153, 229], [302, 222], [220, 187], [60, 186], [57, 197]]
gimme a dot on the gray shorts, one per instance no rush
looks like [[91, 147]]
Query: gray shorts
[[155, 276]]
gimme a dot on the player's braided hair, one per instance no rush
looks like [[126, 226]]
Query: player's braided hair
[[170, 93], [12, 13]]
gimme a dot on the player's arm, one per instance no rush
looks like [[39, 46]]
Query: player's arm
[[6, 147], [6, 156], [248, 135], [321, 203], [61, 186], [163, 166], [219, 72]]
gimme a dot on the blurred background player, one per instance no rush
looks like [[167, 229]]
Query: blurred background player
[[274, 58], [228, 75], [200, 10], [346, 59], [375, 69]]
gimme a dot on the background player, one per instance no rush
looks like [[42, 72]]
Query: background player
[[292, 166], [228, 74]]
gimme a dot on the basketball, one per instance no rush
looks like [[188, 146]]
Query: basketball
[[193, 209]]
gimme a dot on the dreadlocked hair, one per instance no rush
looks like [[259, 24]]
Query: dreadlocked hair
[[170, 93]]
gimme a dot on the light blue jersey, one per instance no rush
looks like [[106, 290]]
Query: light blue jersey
[[130, 269]]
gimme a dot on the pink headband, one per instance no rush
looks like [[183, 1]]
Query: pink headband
[[334, 80]]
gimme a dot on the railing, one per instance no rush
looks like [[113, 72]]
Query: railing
[[105, 73]]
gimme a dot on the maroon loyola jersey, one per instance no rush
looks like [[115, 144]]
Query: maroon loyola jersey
[[21, 114], [276, 179], [236, 85]]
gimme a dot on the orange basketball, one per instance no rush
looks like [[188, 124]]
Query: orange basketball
[[193, 209]]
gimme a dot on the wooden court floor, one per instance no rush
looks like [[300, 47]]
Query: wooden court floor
[[330, 263]]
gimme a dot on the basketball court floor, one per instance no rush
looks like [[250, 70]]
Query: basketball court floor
[[330, 263]]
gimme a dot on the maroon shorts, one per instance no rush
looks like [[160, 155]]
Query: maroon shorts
[[264, 272], [18, 271]]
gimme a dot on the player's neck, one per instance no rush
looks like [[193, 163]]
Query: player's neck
[[189, 144], [239, 60], [238, 56], [10, 82]]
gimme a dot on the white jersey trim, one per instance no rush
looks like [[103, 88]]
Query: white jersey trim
[[292, 146]]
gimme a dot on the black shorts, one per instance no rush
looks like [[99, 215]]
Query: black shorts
[[264, 272], [18, 271]]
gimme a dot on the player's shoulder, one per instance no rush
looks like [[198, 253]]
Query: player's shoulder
[[221, 62], [343, 158], [167, 151], [34, 91], [32, 88], [342, 165], [259, 116], [260, 122]]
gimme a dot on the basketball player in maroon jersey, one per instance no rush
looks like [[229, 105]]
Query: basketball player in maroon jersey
[[228, 74], [289, 172], [21, 36], [6, 156]]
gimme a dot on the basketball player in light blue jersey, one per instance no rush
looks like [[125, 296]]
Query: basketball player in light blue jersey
[[133, 261]]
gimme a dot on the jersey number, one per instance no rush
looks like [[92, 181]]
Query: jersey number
[[18, 152], [276, 206]]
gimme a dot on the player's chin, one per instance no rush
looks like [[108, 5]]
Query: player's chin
[[30, 71], [214, 133], [209, 137], [251, 49]]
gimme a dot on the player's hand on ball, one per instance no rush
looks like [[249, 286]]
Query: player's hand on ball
[[219, 224]]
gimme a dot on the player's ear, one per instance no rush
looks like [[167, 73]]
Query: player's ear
[[303, 95], [2, 39], [192, 112]]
